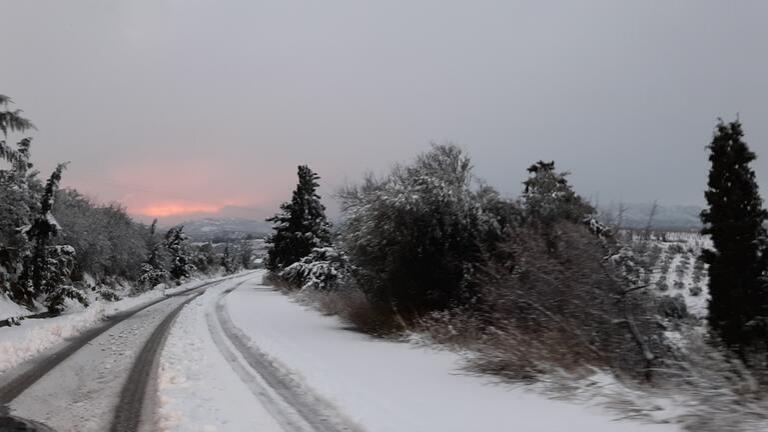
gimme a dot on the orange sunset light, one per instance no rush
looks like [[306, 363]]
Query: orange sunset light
[[178, 209]]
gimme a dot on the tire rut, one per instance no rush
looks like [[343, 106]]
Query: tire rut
[[293, 405], [131, 410], [20, 379]]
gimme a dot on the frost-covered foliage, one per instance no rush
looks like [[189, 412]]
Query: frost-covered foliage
[[300, 226], [229, 261], [47, 269], [323, 269], [177, 244], [416, 236], [57, 284], [548, 197], [152, 276], [20, 191], [153, 269], [204, 258], [109, 243]]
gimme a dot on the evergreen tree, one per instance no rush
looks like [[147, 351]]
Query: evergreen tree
[[246, 254], [19, 198], [548, 196], [47, 268], [12, 121], [300, 226], [228, 261], [734, 220], [153, 270], [177, 244]]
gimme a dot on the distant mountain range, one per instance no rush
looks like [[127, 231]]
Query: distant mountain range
[[667, 217], [223, 229]]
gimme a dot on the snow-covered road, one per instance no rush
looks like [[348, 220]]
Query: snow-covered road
[[235, 355], [96, 381], [247, 358]]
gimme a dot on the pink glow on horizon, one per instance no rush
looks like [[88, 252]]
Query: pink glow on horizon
[[177, 209]]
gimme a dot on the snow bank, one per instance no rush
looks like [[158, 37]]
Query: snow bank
[[10, 309]]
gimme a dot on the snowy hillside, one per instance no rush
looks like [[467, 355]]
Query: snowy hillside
[[673, 267]]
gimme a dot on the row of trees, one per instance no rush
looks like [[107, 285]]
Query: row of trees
[[429, 237], [56, 243], [32, 265]]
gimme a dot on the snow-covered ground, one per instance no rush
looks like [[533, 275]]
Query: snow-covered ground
[[198, 390], [679, 270], [10, 309], [379, 385], [33, 336]]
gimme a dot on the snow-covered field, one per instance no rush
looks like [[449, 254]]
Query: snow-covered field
[[678, 270], [379, 385]]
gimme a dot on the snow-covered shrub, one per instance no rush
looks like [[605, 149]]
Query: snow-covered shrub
[[352, 305], [562, 305], [56, 287], [151, 276], [108, 295], [416, 236], [548, 197], [323, 269]]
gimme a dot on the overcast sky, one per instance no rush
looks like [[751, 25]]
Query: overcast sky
[[190, 105]]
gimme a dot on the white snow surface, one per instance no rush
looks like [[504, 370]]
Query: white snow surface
[[33, 336], [380, 385], [198, 391], [10, 309]]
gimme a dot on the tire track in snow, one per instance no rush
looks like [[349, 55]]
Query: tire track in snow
[[132, 409], [295, 407], [16, 381], [11, 389]]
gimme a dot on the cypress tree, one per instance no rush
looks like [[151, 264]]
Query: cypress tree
[[177, 244], [300, 226], [734, 220]]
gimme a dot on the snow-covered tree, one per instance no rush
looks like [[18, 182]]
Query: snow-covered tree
[[416, 237], [153, 270], [19, 198], [47, 268], [300, 226], [177, 244], [109, 244], [204, 258], [548, 196], [246, 254], [229, 261]]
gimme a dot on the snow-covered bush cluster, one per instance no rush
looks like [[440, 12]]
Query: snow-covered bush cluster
[[418, 236], [323, 269]]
